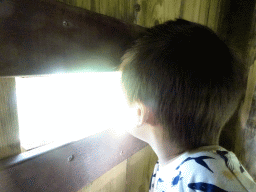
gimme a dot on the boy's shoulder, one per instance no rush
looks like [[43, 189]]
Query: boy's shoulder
[[207, 168]]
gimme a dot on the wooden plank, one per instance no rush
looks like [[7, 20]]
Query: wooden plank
[[176, 6], [112, 181], [144, 17], [85, 4], [69, 167], [156, 12], [204, 12], [139, 170], [248, 121], [131, 175], [214, 12], [196, 14], [9, 128], [48, 37], [250, 142], [190, 8], [171, 9], [120, 9], [251, 83], [236, 26]]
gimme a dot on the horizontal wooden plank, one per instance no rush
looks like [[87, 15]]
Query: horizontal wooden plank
[[68, 167], [49, 37]]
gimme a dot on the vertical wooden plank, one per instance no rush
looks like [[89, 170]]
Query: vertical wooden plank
[[9, 129], [251, 83], [131, 175], [213, 17], [151, 13], [250, 142], [189, 7], [157, 11], [171, 9], [120, 9], [112, 181], [248, 121], [196, 14], [144, 16], [204, 12], [139, 170], [85, 4], [176, 8], [237, 25], [133, 11]]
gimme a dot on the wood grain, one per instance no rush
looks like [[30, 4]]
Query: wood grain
[[9, 128], [112, 181], [101, 32], [251, 83], [191, 10], [199, 11], [139, 170], [214, 14], [120, 9], [53, 170], [49, 37], [237, 26], [132, 175], [250, 142], [204, 12], [156, 12]]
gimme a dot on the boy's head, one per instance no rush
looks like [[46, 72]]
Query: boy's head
[[188, 76]]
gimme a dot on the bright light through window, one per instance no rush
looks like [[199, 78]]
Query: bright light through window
[[68, 107]]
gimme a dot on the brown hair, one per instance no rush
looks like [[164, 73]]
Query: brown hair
[[190, 77]]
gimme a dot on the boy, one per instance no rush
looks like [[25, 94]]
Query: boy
[[184, 84]]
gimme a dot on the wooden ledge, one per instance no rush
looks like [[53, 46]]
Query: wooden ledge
[[67, 167]]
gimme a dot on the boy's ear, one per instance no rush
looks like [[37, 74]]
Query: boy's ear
[[143, 113]]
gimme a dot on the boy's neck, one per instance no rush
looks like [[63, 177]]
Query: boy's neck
[[165, 150]]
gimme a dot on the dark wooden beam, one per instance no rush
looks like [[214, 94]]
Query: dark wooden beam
[[237, 27], [49, 37], [66, 167]]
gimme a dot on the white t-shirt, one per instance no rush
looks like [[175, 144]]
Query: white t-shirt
[[210, 168]]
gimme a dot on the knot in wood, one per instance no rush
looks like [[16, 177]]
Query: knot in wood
[[71, 157], [137, 7], [65, 23]]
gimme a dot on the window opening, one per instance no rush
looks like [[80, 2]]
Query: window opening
[[68, 107]]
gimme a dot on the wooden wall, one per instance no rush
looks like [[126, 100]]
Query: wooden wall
[[199, 11], [133, 174], [120, 9], [250, 125], [148, 13], [9, 129]]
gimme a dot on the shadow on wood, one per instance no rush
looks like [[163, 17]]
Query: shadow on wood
[[48, 37], [69, 167]]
